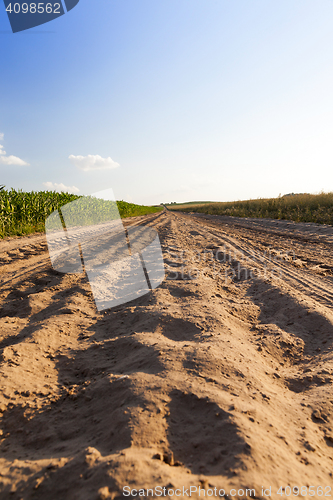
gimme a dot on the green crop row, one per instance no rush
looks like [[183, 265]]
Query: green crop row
[[297, 207], [25, 212]]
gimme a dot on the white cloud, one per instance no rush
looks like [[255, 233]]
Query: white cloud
[[93, 162], [9, 160], [54, 186], [12, 160]]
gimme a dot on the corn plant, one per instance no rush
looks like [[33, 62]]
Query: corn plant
[[25, 212]]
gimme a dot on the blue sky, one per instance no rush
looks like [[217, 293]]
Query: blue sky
[[171, 100]]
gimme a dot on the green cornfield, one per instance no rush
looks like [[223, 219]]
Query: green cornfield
[[297, 207], [132, 210], [25, 212]]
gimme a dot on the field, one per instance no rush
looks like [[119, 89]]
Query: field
[[299, 208], [25, 212], [219, 378], [187, 204]]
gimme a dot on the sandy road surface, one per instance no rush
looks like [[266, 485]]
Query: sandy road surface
[[220, 378]]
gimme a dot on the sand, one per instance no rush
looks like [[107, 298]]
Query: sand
[[219, 379]]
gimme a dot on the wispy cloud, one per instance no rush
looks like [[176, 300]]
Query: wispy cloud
[[54, 186], [93, 162], [11, 159]]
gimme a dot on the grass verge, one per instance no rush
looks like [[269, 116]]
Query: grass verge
[[297, 207]]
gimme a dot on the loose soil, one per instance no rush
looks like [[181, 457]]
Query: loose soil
[[219, 378]]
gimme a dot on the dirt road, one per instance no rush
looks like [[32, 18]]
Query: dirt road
[[219, 379]]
